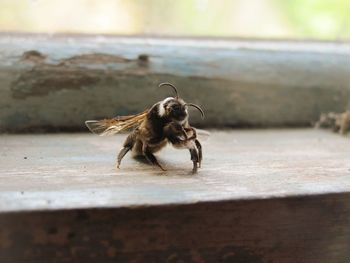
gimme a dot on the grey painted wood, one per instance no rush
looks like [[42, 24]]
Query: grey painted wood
[[62, 171], [261, 196], [57, 82]]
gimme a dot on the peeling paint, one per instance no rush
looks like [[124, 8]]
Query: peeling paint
[[70, 73], [94, 77], [95, 58], [42, 80]]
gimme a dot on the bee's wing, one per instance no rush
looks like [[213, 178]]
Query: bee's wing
[[202, 135], [115, 125]]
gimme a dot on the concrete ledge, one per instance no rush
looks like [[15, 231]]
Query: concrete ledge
[[261, 196], [50, 83]]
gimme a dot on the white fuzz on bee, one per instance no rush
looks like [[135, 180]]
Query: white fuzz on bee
[[161, 109]]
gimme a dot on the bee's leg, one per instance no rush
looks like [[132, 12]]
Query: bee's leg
[[198, 144], [184, 134], [174, 130], [194, 158], [194, 133], [121, 154], [127, 146], [150, 157], [200, 155]]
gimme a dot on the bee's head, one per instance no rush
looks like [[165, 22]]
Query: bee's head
[[175, 108]]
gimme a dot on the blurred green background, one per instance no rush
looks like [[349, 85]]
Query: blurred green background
[[281, 19]]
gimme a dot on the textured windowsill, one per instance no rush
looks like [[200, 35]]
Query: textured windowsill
[[77, 170], [261, 196]]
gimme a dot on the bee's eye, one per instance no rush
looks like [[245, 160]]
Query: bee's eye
[[176, 108]]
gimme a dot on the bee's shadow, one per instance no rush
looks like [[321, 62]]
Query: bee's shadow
[[171, 168], [141, 159]]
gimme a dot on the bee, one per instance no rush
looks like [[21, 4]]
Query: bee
[[165, 122]]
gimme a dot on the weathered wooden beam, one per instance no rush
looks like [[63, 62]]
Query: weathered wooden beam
[[57, 82], [296, 229]]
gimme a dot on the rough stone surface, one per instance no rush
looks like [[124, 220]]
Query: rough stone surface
[[50, 83]]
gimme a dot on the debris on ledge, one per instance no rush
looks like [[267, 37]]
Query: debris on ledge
[[338, 122]]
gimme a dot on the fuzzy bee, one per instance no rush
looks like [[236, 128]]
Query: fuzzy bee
[[165, 122]]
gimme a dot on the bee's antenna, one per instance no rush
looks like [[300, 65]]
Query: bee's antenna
[[171, 85], [197, 107]]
